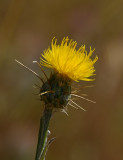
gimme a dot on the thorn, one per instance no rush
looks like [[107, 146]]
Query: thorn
[[72, 106], [83, 98], [78, 105], [41, 69], [63, 110], [29, 70], [45, 93]]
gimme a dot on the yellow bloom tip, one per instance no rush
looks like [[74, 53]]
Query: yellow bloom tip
[[68, 61]]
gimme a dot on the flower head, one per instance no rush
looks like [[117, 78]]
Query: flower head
[[68, 61]]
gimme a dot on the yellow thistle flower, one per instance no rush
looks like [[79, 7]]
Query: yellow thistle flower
[[68, 61], [68, 64]]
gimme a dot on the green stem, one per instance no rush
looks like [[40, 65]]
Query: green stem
[[42, 136]]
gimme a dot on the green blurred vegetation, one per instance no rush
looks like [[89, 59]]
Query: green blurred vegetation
[[26, 29]]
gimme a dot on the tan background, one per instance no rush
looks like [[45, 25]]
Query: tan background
[[26, 29]]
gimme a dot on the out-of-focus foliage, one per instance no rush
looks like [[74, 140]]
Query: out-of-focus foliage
[[26, 29]]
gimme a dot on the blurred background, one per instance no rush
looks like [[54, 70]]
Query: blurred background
[[26, 29]]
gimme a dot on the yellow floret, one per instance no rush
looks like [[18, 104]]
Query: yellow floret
[[65, 59]]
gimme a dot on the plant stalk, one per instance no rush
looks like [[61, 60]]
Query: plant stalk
[[43, 131]]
